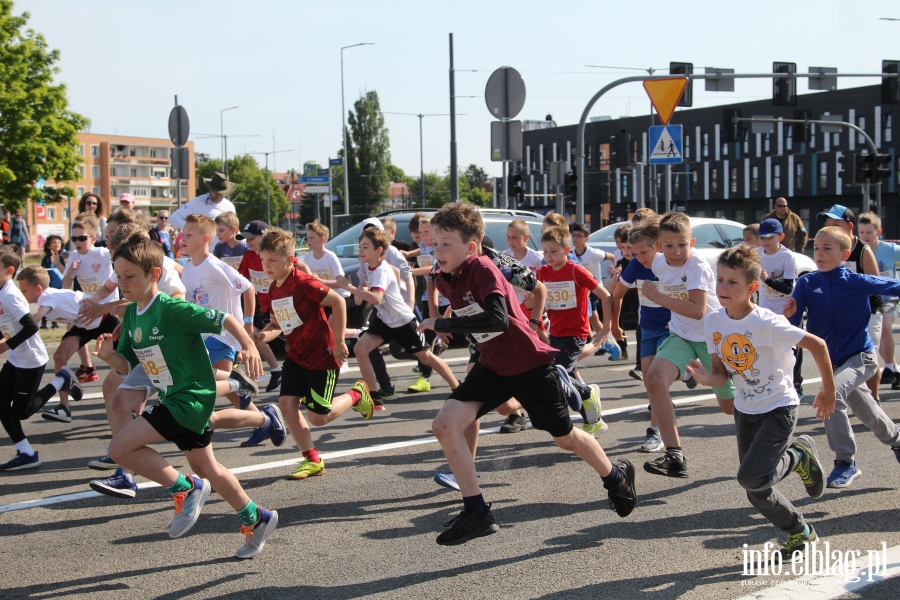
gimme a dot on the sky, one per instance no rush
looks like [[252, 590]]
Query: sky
[[124, 62]]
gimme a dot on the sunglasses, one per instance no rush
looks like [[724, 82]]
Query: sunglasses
[[80, 238], [162, 218], [781, 206], [90, 203]]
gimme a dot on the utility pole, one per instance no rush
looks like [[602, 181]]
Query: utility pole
[[454, 167]]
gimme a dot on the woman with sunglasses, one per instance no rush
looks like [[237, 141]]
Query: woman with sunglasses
[[93, 203]]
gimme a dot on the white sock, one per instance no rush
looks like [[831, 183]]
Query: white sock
[[275, 369], [655, 428], [57, 382], [25, 448], [267, 421], [235, 384], [686, 376], [890, 366]]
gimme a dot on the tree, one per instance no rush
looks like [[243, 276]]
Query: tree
[[250, 197], [476, 176], [368, 154], [38, 131]]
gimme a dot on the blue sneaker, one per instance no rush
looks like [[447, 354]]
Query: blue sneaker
[[187, 507], [276, 431], [258, 436], [613, 349], [244, 401], [843, 474], [117, 486], [447, 480], [573, 398], [70, 384], [255, 535], [22, 462]]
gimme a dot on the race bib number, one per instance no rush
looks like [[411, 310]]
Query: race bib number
[[233, 261], [89, 285], [260, 281], [889, 274], [322, 274], [851, 266], [7, 328], [287, 317], [773, 294], [425, 260], [643, 301], [560, 295], [474, 309], [155, 366], [677, 291]]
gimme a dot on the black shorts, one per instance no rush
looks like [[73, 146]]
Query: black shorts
[[406, 335], [165, 425], [316, 388], [107, 325], [567, 351], [538, 390], [348, 303], [260, 318]]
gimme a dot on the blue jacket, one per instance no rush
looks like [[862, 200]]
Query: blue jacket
[[839, 311]]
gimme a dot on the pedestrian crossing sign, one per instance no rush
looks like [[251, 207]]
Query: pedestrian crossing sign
[[665, 145]]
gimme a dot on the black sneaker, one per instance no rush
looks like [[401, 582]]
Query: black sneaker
[[887, 376], [623, 499], [895, 385], [600, 352], [809, 468], [514, 423], [690, 382], [274, 381], [468, 526], [668, 465]]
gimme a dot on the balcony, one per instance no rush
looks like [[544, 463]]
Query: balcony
[[122, 159], [150, 181]]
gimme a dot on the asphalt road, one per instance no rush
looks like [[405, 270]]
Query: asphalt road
[[367, 526]]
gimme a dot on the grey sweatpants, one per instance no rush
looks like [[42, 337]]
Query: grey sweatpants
[[851, 390], [763, 441]]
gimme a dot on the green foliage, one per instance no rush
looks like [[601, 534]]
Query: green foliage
[[437, 189], [368, 154], [39, 134], [250, 198], [476, 176]]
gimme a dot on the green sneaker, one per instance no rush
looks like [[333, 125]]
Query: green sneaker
[[307, 469], [591, 408], [592, 428], [421, 385], [796, 542], [365, 406], [809, 468]]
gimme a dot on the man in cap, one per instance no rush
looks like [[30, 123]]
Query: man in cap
[[211, 204], [795, 234], [126, 200]]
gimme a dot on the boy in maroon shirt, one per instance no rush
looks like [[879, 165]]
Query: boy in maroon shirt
[[297, 302], [484, 305]]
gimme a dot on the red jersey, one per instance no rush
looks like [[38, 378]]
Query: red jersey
[[511, 352], [251, 268], [296, 305], [567, 299]]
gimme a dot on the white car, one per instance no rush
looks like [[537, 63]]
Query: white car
[[712, 235]]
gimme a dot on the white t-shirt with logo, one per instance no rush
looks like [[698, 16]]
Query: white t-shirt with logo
[[94, 271], [31, 353], [393, 309], [532, 260], [756, 352], [779, 266], [213, 284], [676, 282], [327, 267], [169, 281], [63, 305], [592, 260]]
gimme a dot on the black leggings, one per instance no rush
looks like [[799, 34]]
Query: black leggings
[[19, 397]]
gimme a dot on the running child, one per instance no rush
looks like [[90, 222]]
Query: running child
[[517, 236], [484, 303], [230, 248], [750, 345], [623, 256], [751, 235], [324, 264], [164, 335], [591, 259], [314, 357], [836, 301]]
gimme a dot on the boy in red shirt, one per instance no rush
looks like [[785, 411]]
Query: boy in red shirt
[[484, 305], [297, 303], [568, 286]]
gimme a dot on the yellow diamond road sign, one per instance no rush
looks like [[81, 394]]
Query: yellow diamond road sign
[[664, 94]]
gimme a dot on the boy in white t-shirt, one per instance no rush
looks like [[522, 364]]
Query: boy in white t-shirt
[[393, 318], [686, 287], [324, 264], [517, 236], [229, 249], [27, 358], [749, 345]]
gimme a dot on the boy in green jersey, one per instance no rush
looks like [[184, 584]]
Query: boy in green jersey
[[164, 336]]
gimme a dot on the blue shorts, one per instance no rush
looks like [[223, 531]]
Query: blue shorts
[[651, 341], [218, 350]]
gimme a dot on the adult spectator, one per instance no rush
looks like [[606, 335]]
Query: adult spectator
[[18, 234], [795, 234], [160, 232], [4, 227], [126, 200], [93, 203], [211, 204]]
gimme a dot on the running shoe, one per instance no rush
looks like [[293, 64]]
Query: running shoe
[[274, 381], [388, 393], [573, 398], [421, 385], [843, 474], [117, 486], [468, 526], [248, 386], [592, 428], [652, 442], [255, 535], [623, 498], [58, 413], [377, 404], [636, 374], [21, 462], [187, 507], [887, 376], [797, 542], [276, 431], [690, 382], [809, 468], [104, 463], [70, 384], [669, 465], [600, 351], [592, 406], [259, 435], [366, 405], [447, 480], [895, 385], [85, 375], [307, 469], [514, 423]]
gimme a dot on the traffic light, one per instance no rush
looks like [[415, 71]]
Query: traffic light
[[801, 131], [734, 129], [848, 162], [570, 183], [890, 86], [622, 143], [874, 169], [784, 89], [679, 68], [514, 182]]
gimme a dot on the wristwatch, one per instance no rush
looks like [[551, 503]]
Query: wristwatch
[[535, 321], [248, 320]]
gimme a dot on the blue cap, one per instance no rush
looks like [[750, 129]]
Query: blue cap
[[770, 228], [837, 212]]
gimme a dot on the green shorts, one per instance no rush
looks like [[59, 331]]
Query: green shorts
[[680, 352]]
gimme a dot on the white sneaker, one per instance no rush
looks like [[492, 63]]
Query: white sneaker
[[653, 443]]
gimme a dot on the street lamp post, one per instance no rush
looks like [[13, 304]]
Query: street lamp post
[[421, 149], [344, 128], [268, 200], [224, 139]]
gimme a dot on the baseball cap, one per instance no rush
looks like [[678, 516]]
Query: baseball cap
[[126, 197], [252, 229], [486, 241], [837, 212], [770, 228], [371, 222]]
